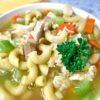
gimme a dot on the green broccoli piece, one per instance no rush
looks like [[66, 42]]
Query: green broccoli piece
[[74, 57]]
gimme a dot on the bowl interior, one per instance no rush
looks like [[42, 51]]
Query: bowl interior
[[21, 9]]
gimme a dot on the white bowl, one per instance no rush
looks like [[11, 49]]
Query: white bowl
[[21, 9]]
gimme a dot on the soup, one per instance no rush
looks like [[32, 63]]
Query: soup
[[49, 54]]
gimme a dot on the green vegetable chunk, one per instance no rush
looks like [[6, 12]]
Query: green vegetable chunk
[[74, 57], [6, 46], [58, 20], [57, 12], [83, 88], [90, 96], [17, 75]]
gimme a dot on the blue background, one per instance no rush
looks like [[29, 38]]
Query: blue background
[[91, 6]]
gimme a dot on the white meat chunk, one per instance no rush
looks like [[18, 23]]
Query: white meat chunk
[[22, 29], [47, 23], [77, 76], [61, 82], [39, 27], [85, 75], [36, 33], [91, 72]]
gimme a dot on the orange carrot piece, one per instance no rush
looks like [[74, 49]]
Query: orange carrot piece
[[67, 26], [14, 18], [98, 65], [94, 44], [30, 36], [89, 25]]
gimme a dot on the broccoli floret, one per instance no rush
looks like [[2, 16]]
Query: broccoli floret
[[74, 57]]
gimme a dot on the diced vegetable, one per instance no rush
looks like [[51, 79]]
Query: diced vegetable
[[73, 56], [70, 28], [17, 75], [13, 43], [89, 96], [98, 65], [20, 21], [57, 12], [83, 88], [58, 20], [89, 25], [14, 18], [6, 46], [94, 43]]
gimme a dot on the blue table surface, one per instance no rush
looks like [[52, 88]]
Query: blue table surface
[[91, 6]]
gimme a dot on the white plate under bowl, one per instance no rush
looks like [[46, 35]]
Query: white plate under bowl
[[22, 9]]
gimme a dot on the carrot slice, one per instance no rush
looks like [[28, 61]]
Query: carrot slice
[[89, 25], [98, 65], [69, 27], [14, 18], [94, 44]]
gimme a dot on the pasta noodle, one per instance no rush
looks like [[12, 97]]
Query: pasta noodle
[[43, 58], [44, 69], [5, 64], [4, 95], [23, 65], [2, 55], [32, 73], [13, 57], [15, 90], [30, 15], [26, 80], [55, 39], [40, 81], [72, 19], [48, 92]]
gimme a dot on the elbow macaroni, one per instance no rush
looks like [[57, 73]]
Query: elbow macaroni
[[48, 92], [40, 81], [4, 95], [5, 65], [73, 19], [55, 39], [15, 90], [2, 55], [44, 57], [32, 73], [26, 80], [44, 69], [13, 57]]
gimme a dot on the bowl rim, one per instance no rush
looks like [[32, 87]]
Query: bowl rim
[[45, 5]]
